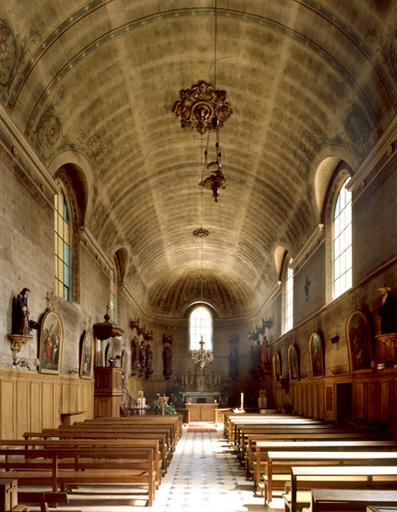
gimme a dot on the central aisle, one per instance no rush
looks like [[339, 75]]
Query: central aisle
[[205, 476]]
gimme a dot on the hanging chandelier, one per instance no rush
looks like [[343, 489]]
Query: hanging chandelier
[[205, 108], [202, 107]]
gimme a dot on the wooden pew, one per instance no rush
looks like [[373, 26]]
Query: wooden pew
[[308, 430], [108, 435], [174, 422], [341, 444], [43, 499], [60, 467], [338, 477], [141, 428], [327, 500], [279, 463], [91, 443], [254, 439]]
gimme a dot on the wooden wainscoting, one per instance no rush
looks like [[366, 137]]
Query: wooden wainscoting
[[33, 401], [375, 397]]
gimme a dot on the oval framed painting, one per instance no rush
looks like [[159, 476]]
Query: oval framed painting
[[359, 340], [316, 351], [276, 367], [293, 362]]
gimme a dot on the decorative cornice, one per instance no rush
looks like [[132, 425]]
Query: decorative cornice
[[91, 243], [274, 292], [384, 149], [309, 247], [21, 151]]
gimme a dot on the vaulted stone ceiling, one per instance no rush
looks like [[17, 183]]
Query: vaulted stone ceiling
[[306, 80]]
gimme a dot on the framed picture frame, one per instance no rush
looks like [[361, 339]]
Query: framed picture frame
[[359, 340], [51, 343], [316, 350], [293, 362], [87, 354], [276, 367]]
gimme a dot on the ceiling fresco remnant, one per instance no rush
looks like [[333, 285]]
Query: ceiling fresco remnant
[[100, 78]]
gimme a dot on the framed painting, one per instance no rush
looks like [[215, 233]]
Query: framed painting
[[316, 354], [276, 367], [293, 362], [50, 343], [87, 355], [359, 340]]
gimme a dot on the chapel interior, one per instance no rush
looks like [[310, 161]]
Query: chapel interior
[[198, 214]]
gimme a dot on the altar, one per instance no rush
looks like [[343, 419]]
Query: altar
[[201, 397], [201, 412]]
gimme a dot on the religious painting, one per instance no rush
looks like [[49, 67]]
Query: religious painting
[[51, 343], [316, 355], [87, 355], [293, 362], [359, 340], [276, 366]]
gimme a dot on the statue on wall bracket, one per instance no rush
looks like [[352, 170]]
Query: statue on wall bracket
[[167, 356], [21, 326], [386, 339]]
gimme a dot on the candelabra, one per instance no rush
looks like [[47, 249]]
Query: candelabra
[[202, 357]]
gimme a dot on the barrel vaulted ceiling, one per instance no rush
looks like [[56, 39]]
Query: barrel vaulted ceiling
[[305, 78]]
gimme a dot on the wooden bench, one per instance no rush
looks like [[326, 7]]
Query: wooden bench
[[60, 467], [256, 440], [341, 444], [338, 477], [91, 443], [43, 499], [106, 436], [279, 463], [327, 500], [173, 422]]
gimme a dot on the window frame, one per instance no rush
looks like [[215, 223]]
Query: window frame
[[288, 296], [193, 344], [62, 224], [342, 241]]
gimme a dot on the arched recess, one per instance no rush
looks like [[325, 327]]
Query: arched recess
[[339, 177], [71, 181], [324, 167], [280, 253], [122, 259], [81, 176]]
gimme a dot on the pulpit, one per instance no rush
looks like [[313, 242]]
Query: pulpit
[[108, 391]]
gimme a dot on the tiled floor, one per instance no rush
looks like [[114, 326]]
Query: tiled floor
[[204, 476]]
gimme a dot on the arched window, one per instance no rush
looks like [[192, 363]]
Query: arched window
[[63, 246], [342, 242], [288, 296], [200, 325], [113, 295]]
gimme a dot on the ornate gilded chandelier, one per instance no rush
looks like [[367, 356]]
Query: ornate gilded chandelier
[[202, 357], [204, 108]]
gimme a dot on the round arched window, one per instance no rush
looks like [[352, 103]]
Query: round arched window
[[200, 325]]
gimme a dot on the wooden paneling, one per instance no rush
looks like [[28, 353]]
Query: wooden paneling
[[33, 401]]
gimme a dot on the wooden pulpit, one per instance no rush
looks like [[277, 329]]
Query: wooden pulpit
[[108, 391]]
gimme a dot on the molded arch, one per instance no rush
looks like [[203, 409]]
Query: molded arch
[[323, 169], [122, 259], [83, 178]]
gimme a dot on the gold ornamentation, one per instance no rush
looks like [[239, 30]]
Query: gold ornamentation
[[17, 343], [202, 107]]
